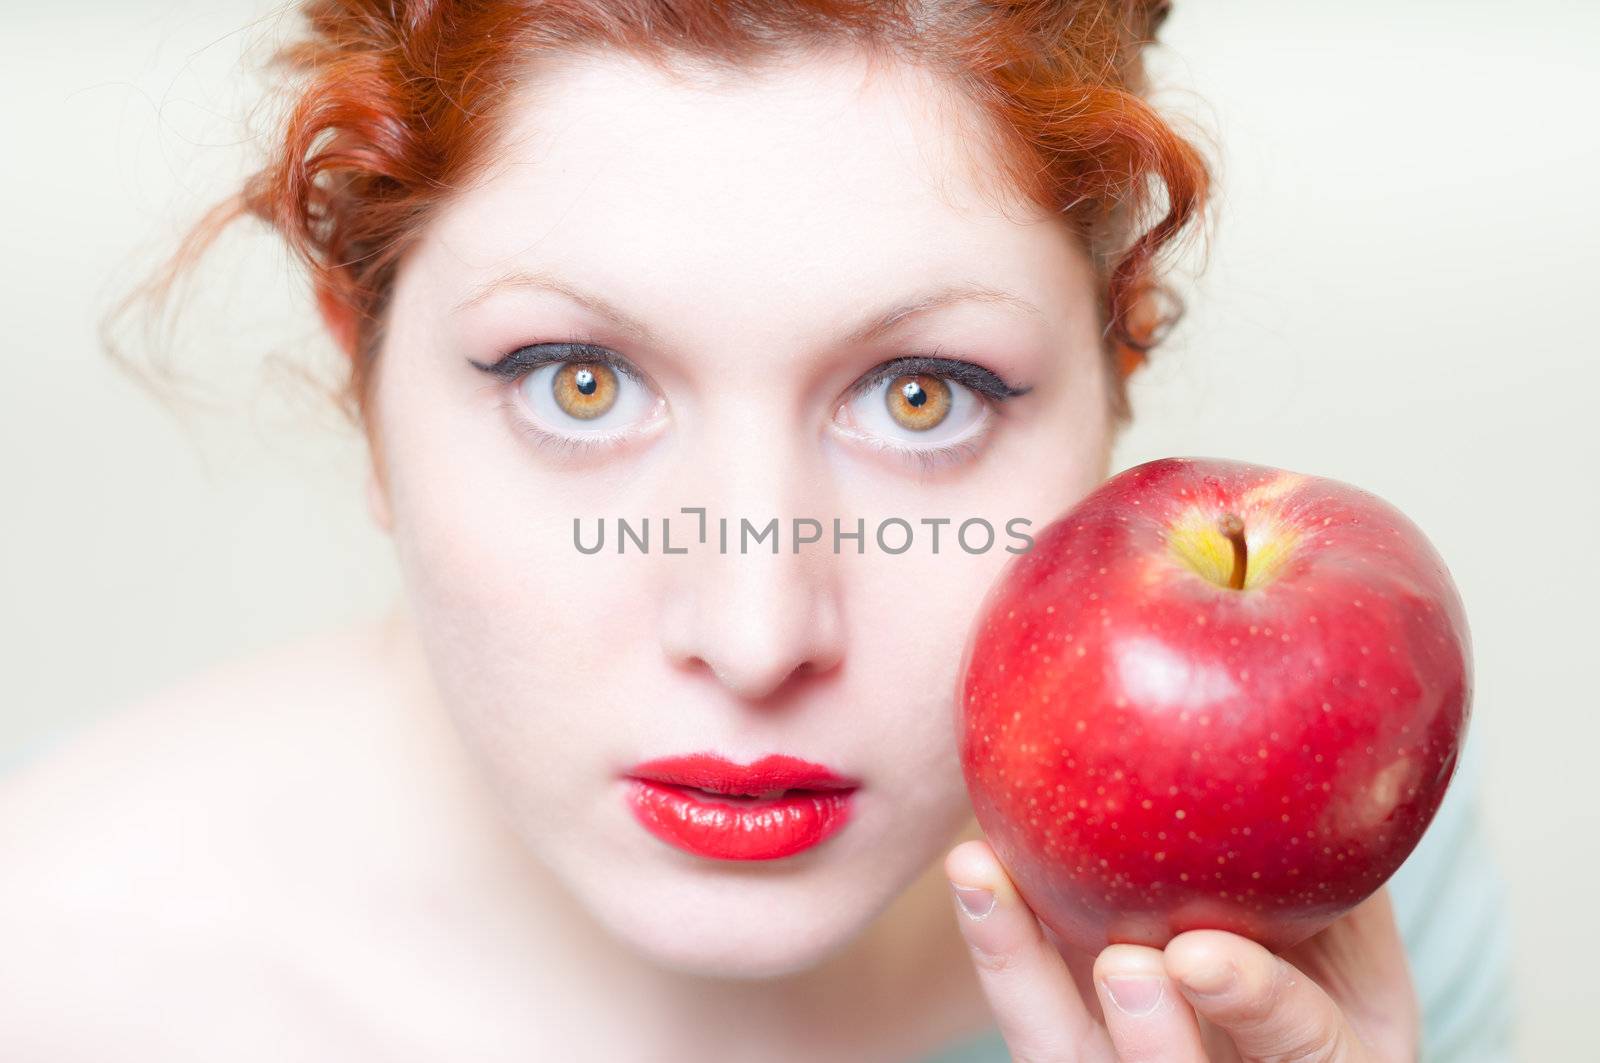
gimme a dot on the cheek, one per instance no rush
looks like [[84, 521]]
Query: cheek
[[909, 617], [516, 625], [483, 533]]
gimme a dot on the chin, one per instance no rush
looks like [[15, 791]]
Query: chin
[[733, 921]]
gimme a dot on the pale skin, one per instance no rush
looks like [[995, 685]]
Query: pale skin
[[405, 840]]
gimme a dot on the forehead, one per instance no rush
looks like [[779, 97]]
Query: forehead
[[810, 182]]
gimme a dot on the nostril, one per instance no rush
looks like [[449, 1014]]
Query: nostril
[[753, 634]]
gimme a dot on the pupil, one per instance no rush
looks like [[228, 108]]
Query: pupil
[[585, 380], [914, 393]]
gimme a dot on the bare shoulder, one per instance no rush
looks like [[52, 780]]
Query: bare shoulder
[[162, 770], [142, 862]]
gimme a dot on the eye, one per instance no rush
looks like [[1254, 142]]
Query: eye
[[919, 401], [584, 398], [929, 409], [917, 408], [576, 394], [584, 391]]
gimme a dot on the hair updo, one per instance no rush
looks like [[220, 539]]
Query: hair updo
[[394, 105]]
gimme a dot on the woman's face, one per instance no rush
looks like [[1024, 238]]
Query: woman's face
[[745, 236]]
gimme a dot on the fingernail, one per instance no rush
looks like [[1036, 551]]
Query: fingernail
[[974, 901], [1133, 994], [1210, 981]]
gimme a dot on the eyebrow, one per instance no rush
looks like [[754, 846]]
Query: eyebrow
[[871, 328]]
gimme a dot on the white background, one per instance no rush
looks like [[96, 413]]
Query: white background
[[1400, 293]]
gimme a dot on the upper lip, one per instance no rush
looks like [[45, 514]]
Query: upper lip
[[718, 775]]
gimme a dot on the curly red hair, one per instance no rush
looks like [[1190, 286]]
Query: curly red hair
[[395, 105]]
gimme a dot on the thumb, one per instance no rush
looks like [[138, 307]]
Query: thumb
[[1270, 1009]]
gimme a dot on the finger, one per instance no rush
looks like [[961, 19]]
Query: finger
[[1360, 961], [1035, 1001], [1147, 1017], [1270, 1009]]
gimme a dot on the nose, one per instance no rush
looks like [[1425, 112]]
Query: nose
[[754, 620]]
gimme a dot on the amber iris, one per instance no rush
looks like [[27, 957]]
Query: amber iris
[[584, 389], [918, 401]]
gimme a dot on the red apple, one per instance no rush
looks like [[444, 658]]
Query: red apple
[[1213, 695]]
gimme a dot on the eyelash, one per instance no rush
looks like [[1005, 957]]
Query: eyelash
[[970, 374], [524, 360], [560, 445], [930, 459]]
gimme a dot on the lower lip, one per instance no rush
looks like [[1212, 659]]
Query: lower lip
[[698, 823]]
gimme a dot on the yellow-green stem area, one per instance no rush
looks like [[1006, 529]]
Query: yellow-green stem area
[[1232, 529], [1237, 558]]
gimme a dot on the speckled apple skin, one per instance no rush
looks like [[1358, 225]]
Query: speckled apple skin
[[1150, 752]]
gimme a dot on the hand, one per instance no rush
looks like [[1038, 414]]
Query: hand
[[1343, 996]]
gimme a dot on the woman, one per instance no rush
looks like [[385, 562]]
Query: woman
[[600, 263]]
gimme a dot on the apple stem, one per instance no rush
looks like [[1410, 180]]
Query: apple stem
[[1231, 526]]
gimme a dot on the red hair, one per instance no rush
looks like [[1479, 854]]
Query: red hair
[[395, 105]]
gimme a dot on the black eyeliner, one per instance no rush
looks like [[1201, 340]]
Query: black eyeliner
[[970, 374], [526, 359]]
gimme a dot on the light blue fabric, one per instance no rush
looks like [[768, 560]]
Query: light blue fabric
[[1449, 901]]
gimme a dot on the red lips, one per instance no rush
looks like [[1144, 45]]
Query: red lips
[[707, 771], [709, 806]]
